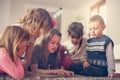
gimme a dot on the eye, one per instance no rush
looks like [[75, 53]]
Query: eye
[[90, 28], [96, 28]]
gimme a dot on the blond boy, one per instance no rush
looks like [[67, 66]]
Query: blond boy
[[99, 50]]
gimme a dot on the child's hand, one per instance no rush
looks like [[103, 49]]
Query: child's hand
[[85, 64], [63, 72], [110, 75]]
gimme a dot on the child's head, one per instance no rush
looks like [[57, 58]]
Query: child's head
[[75, 31], [52, 40], [96, 26], [14, 39], [50, 46], [37, 21]]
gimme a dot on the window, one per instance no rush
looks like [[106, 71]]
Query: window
[[99, 9]]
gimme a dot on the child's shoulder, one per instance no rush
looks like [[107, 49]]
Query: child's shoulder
[[107, 38], [84, 40]]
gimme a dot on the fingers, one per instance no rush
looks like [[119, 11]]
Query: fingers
[[65, 72], [110, 76]]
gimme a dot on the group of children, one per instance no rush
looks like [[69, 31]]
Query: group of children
[[92, 57]]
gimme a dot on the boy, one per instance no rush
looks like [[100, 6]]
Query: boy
[[99, 50]]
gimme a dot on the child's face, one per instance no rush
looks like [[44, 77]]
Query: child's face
[[22, 47], [36, 33], [53, 43], [75, 41], [96, 29]]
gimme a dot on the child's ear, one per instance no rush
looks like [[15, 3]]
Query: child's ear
[[104, 26]]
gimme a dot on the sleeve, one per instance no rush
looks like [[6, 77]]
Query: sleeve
[[110, 58], [34, 59], [14, 69], [84, 56], [83, 50]]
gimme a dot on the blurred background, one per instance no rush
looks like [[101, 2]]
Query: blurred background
[[66, 11]]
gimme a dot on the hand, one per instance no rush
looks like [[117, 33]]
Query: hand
[[64, 72], [110, 75], [85, 64]]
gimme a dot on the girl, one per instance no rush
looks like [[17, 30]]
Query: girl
[[13, 43], [46, 58], [75, 55]]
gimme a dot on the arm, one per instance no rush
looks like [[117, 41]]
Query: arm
[[84, 53], [28, 55], [14, 69], [110, 60], [84, 59], [49, 72], [35, 69]]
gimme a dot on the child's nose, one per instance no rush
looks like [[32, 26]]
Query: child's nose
[[74, 39], [93, 31]]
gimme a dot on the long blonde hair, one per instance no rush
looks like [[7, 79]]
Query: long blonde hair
[[36, 18], [11, 38]]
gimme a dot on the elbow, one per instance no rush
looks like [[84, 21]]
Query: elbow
[[18, 76]]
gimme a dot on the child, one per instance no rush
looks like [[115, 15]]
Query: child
[[46, 58], [99, 50], [37, 22], [75, 48], [13, 43]]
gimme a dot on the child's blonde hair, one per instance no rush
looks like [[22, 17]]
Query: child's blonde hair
[[11, 38], [97, 18], [36, 18]]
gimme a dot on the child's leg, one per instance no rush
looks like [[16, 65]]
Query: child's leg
[[95, 71], [76, 68]]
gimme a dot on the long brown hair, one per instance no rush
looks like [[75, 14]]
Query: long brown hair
[[11, 38], [43, 46]]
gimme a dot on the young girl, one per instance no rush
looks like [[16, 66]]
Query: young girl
[[46, 58], [75, 49], [13, 43], [37, 22]]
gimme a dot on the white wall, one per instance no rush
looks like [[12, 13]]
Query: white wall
[[68, 16], [113, 26], [113, 20], [4, 14]]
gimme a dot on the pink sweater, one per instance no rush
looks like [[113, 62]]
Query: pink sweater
[[14, 69]]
